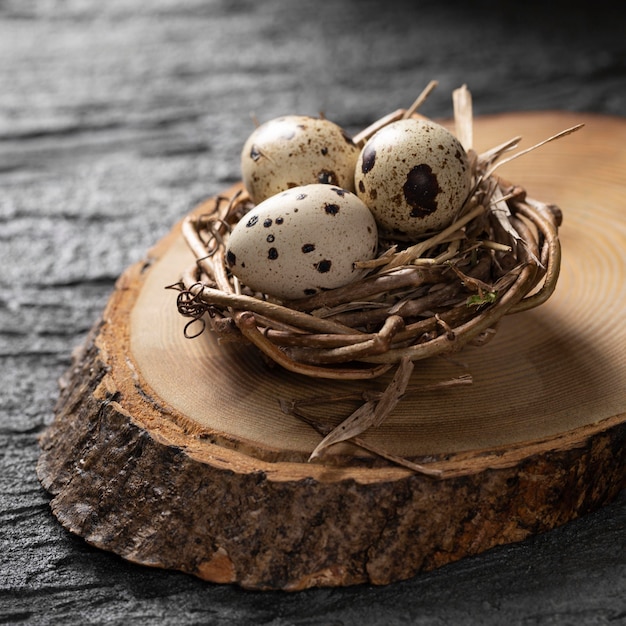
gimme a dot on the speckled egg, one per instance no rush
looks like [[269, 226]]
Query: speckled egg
[[297, 150], [301, 241], [414, 175]]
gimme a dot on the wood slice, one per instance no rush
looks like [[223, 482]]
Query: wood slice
[[175, 453]]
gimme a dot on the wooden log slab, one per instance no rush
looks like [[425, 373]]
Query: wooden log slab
[[175, 453]]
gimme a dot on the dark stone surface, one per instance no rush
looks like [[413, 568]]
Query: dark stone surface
[[115, 119]]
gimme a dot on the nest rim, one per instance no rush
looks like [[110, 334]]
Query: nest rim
[[305, 343]]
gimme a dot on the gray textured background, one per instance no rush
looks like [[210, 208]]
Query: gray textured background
[[116, 118]]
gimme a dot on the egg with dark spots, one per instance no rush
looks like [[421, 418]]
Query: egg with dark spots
[[414, 175], [297, 150], [302, 241]]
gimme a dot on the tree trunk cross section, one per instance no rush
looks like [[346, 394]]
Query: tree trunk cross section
[[174, 453]]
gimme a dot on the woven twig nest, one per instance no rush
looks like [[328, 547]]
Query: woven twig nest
[[420, 299]]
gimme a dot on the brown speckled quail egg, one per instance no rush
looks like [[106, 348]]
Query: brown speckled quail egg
[[297, 150], [414, 175], [301, 241]]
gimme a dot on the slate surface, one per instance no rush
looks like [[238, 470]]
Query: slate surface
[[116, 118]]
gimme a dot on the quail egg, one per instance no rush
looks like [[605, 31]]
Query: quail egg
[[297, 150], [301, 241], [414, 175]]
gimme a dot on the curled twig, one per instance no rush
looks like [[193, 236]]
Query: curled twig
[[190, 305]]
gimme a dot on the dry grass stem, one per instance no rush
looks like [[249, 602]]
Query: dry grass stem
[[372, 413], [324, 429], [420, 99], [463, 116], [563, 133]]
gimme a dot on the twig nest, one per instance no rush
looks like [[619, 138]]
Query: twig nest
[[297, 274], [414, 175], [296, 150], [302, 241]]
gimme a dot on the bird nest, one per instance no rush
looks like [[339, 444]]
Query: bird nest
[[417, 300]]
